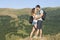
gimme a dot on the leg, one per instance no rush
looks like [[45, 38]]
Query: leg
[[35, 29], [40, 33], [35, 26], [39, 26], [37, 32], [32, 32]]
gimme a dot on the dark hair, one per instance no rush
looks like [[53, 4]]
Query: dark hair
[[38, 6], [33, 10]]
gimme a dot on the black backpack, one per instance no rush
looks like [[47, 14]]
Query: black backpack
[[44, 15], [31, 19]]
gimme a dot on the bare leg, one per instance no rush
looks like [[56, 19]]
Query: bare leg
[[37, 32], [40, 33], [35, 25], [36, 28], [32, 32]]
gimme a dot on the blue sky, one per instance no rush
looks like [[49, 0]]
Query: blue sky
[[28, 3]]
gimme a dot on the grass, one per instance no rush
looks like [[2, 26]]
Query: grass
[[45, 37]]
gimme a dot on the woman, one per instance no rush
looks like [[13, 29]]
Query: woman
[[34, 23]]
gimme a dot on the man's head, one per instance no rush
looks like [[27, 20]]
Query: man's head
[[37, 7]]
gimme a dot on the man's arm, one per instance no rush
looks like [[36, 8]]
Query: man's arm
[[41, 14]]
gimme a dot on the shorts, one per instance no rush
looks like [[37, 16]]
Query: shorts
[[39, 24], [34, 22]]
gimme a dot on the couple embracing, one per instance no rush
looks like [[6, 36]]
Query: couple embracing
[[37, 14]]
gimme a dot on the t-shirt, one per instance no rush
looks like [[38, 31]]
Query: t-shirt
[[38, 14], [35, 19]]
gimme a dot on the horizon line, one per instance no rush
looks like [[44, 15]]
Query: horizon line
[[30, 7]]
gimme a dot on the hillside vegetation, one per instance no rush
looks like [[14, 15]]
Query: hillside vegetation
[[14, 24]]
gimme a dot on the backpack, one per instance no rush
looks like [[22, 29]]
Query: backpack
[[31, 19], [44, 15]]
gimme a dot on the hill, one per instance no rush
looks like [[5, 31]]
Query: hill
[[14, 23]]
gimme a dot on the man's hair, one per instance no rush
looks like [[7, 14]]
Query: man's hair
[[37, 6]]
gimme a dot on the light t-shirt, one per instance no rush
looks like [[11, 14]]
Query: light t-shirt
[[35, 19], [38, 14]]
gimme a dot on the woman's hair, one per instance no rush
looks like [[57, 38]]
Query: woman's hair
[[33, 11]]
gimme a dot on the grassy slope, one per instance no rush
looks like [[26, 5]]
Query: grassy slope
[[14, 24]]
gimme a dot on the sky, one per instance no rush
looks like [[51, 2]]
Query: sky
[[18, 4]]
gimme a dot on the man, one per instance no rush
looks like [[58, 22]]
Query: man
[[39, 14]]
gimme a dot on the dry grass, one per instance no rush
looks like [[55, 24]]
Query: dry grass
[[45, 37]]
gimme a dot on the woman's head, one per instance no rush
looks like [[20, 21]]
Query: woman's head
[[33, 10]]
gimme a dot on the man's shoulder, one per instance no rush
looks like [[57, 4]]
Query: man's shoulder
[[41, 11]]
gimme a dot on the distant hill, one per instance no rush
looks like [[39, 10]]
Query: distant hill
[[5, 11], [14, 12]]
